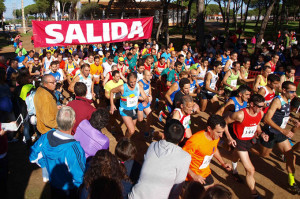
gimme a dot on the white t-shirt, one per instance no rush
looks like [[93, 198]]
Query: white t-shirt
[[107, 67]]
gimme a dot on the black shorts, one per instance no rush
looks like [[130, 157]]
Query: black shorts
[[128, 113], [205, 95], [209, 180], [241, 145], [273, 139], [97, 90]]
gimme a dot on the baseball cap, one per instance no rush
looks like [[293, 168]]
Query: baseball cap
[[121, 59], [136, 45]]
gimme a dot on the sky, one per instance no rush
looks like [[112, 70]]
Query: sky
[[14, 4]]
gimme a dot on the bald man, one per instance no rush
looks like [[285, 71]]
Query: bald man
[[45, 104]]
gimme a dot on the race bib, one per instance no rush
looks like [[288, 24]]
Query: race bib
[[233, 83], [206, 161], [213, 85], [160, 69], [249, 131], [20, 64], [284, 122], [131, 102]]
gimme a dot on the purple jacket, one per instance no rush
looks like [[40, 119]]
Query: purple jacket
[[91, 140]]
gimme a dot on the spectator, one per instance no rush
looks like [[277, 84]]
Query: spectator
[[165, 167], [105, 164], [81, 105], [61, 155], [45, 105], [89, 134], [126, 152], [20, 48]]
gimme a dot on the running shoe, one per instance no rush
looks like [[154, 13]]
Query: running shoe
[[237, 178], [294, 189], [160, 117]]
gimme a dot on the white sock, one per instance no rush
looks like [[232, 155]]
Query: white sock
[[234, 167]]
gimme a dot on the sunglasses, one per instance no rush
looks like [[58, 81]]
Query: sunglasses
[[291, 92], [259, 106]]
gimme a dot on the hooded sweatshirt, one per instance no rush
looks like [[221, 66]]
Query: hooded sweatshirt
[[63, 158], [163, 172]]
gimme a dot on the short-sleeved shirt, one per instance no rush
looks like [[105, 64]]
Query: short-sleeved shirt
[[20, 60], [111, 84], [201, 150], [96, 71], [173, 76]]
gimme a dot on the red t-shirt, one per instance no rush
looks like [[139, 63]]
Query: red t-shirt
[[62, 64]]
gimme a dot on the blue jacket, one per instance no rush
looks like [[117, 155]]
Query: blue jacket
[[63, 157]]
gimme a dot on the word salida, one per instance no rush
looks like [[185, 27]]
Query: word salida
[[111, 32]]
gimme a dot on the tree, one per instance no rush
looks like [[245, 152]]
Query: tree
[[246, 14], [227, 17], [200, 23], [92, 10], [212, 9], [264, 24], [221, 9], [17, 13], [31, 10], [45, 6], [2, 10], [186, 23]]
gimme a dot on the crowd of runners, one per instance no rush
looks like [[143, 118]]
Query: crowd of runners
[[66, 95]]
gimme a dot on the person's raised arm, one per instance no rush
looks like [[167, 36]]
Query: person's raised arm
[[256, 83], [168, 94], [227, 65], [72, 84], [119, 89]]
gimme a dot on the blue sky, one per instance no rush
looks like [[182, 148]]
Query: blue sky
[[14, 4]]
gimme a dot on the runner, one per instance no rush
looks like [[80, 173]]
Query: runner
[[225, 57], [54, 72], [194, 86], [174, 74], [276, 120], [46, 61], [288, 76], [171, 60], [143, 106], [121, 66], [268, 91], [209, 91], [189, 61], [183, 114], [90, 59], [273, 62], [233, 58], [262, 80], [236, 103], [245, 127], [160, 66], [129, 102], [86, 78], [70, 65], [203, 146], [28, 58], [202, 70], [97, 73]]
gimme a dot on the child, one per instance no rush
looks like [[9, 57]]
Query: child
[[125, 152], [58, 94]]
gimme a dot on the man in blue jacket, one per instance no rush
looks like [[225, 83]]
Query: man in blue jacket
[[61, 155]]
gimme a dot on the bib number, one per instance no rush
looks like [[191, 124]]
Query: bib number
[[284, 122], [233, 83], [249, 131], [131, 102], [206, 161]]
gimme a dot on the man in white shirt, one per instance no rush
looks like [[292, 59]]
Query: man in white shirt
[[107, 65]]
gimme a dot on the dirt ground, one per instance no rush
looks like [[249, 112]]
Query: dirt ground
[[25, 179]]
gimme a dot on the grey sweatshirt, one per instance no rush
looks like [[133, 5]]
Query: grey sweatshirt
[[163, 172]]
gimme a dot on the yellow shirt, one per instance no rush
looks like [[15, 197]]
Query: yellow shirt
[[111, 84], [96, 71]]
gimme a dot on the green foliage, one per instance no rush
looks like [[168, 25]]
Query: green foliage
[[31, 10], [2, 8], [17, 13], [91, 10], [212, 9]]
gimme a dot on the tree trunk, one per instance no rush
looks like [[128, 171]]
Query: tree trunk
[[222, 12], [165, 23], [241, 20], [235, 13], [187, 20], [276, 15], [200, 24], [227, 18], [264, 24], [159, 25], [259, 14], [246, 15], [282, 14], [109, 8], [177, 21], [63, 9]]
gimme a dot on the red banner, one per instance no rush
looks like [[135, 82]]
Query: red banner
[[63, 33]]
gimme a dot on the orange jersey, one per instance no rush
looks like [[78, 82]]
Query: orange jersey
[[96, 71], [201, 150]]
